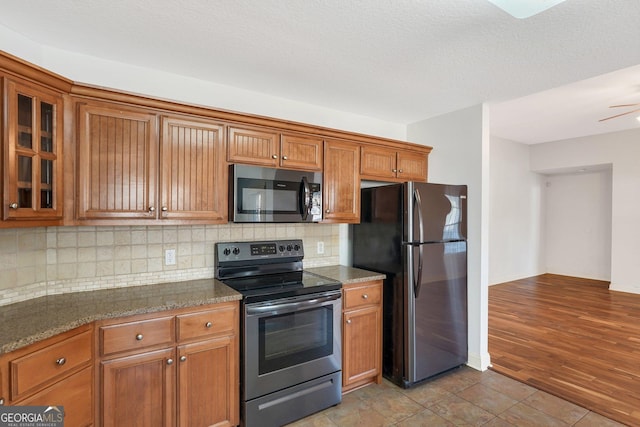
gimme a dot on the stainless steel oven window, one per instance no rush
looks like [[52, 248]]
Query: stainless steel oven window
[[295, 338]]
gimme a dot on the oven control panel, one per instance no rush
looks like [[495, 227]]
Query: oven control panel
[[248, 251]]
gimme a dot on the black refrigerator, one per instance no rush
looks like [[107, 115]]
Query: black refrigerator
[[416, 234]]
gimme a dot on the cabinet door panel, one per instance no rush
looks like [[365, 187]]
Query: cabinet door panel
[[412, 166], [378, 162], [194, 183], [117, 164], [139, 390], [208, 383], [362, 345], [341, 193], [74, 393], [301, 152], [253, 146], [33, 153]]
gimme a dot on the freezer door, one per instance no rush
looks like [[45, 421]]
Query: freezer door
[[436, 309], [436, 212]]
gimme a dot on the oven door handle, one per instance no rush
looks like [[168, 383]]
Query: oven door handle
[[278, 308]]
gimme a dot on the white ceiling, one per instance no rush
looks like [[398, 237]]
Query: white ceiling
[[400, 61]]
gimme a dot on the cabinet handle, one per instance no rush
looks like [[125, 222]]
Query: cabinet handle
[[365, 296], [61, 361], [139, 337], [394, 170], [284, 157], [169, 361], [152, 209], [13, 205], [183, 358], [348, 321], [164, 209], [1, 401], [275, 156], [208, 325], [399, 170], [328, 211]]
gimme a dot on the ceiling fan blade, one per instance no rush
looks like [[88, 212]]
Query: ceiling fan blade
[[623, 105], [618, 115]]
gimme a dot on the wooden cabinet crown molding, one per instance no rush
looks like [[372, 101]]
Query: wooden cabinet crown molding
[[81, 90], [25, 70]]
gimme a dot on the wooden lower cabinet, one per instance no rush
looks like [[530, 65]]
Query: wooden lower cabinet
[[207, 383], [194, 381], [138, 390], [361, 335], [57, 371]]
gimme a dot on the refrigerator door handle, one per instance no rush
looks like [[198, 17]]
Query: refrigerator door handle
[[418, 206], [418, 283]]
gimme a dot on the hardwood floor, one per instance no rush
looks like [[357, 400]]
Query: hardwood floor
[[572, 338]]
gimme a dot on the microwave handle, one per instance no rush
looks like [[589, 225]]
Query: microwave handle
[[306, 202]]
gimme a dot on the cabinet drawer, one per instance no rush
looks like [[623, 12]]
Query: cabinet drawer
[[358, 296], [207, 323], [34, 369], [136, 335]]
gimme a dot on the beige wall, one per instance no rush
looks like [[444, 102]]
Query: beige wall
[[41, 261]]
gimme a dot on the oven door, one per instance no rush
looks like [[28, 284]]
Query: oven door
[[291, 340]]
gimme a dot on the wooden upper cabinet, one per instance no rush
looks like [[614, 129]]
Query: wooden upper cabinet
[[389, 164], [268, 148], [194, 176], [117, 162], [301, 152], [341, 192], [33, 153], [412, 165], [253, 146]]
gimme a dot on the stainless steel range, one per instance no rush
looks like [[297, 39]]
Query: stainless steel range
[[291, 340]]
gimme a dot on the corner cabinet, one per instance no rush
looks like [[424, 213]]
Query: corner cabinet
[[361, 334], [266, 147], [32, 153], [388, 164], [56, 371], [127, 171], [341, 182], [171, 369]]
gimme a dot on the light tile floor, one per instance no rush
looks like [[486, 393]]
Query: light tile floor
[[464, 397]]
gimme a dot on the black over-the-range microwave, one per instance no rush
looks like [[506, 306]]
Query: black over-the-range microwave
[[258, 194]]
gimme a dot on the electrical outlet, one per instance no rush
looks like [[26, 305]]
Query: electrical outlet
[[320, 248], [170, 257]]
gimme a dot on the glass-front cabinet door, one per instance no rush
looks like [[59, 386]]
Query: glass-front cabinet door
[[33, 153]]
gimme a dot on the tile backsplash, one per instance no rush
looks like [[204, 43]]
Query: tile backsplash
[[42, 261]]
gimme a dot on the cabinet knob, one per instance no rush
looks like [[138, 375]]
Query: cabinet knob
[[13, 205], [284, 157], [394, 170], [399, 170], [169, 361], [139, 337], [152, 209], [61, 361], [183, 358], [1, 400], [208, 325], [348, 321], [365, 296], [275, 156], [328, 211], [164, 209]]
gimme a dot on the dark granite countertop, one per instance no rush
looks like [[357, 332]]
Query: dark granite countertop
[[27, 322]]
